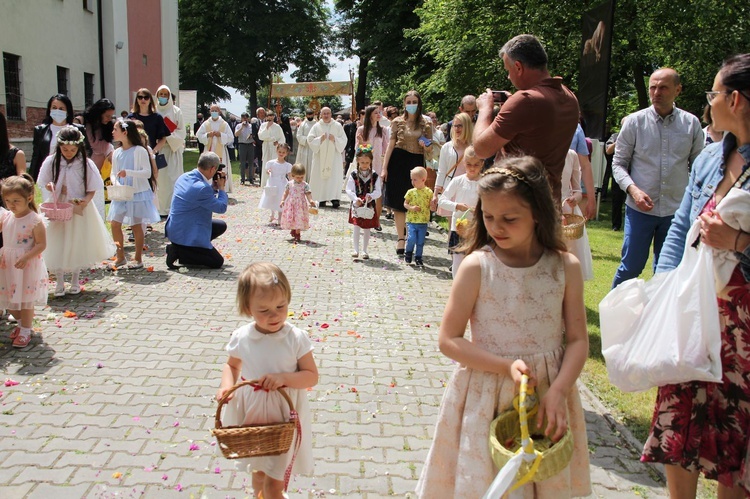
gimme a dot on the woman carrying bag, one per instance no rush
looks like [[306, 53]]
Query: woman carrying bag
[[451, 162], [701, 427]]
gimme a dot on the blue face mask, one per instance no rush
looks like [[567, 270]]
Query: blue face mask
[[58, 115], [411, 108], [214, 114], [163, 100]]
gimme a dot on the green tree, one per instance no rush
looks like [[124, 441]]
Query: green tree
[[241, 43]]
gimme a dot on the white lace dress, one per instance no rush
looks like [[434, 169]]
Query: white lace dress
[[459, 464]]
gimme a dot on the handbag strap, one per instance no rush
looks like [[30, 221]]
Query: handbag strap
[[459, 157], [741, 180]]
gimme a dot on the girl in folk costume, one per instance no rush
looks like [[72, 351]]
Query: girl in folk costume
[[295, 216], [216, 133], [363, 187], [272, 135], [277, 171], [523, 295], [571, 197], [131, 165], [23, 275], [278, 355], [83, 241], [173, 148], [372, 133]]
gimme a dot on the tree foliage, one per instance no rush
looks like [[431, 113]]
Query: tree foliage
[[463, 37], [241, 43], [375, 31]]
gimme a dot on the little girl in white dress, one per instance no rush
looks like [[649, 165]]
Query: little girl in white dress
[[83, 241], [278, 355], [571, 196], [277, 171]]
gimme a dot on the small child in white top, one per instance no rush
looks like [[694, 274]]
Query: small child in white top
[[278, 171], [277, 355], [461, 197]]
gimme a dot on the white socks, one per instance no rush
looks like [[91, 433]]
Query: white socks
[[365, 238]]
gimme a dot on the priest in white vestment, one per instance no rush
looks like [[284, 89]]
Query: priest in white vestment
[[215, 134], [327, 141], [272, 135], [304, 154]]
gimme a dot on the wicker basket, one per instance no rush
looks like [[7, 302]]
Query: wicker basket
[[512, 426], [57, 212], [119, 192], [238, 442], [573, 227]]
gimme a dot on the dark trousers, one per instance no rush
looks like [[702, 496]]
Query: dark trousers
[[200, 147], [207, 257], [247, 156], [618, 201]]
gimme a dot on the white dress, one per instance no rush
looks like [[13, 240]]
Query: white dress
[[571, 180], [83, 241], [262, 354], [275, 185]]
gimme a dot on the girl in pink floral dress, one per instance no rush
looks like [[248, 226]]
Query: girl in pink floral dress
[[295, 203], [23, 275]]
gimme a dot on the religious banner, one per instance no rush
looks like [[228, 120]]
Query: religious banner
[[311, 89], [595, 55]]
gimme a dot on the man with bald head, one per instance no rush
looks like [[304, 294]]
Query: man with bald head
[[327, 141], [653, 155]]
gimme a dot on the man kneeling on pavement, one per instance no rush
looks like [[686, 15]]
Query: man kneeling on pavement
[[190, 226]]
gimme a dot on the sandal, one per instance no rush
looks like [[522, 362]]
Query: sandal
[[400, 251], [22, 341], [15, 332], [135, 265], [121, 264]]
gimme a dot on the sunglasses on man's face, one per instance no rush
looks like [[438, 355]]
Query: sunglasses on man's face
[[144, 97]]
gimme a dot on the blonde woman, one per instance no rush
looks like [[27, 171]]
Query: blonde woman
[[451, 163]]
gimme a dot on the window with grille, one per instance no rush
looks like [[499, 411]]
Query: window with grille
[[12, 69], [62, 80], [88, 89]]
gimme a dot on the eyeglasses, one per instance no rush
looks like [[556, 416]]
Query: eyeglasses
[[710, 96], [457, 125], [144, 97]]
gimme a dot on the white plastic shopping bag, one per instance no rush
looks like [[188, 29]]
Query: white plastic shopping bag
[[665, 330]]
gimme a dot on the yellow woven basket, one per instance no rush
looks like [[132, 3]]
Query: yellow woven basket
[[573, 228], [512, 426]]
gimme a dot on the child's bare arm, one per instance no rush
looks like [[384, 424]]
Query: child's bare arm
[[229, 375], [305, 377]]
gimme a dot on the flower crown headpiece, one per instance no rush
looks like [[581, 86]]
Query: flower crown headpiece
[[364, 148], [75, 142], [504, 171]]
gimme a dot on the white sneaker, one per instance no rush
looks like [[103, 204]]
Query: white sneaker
[[365, 256], [355, 254], [60, 289]]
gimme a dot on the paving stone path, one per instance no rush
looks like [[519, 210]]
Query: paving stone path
[[115, 394]]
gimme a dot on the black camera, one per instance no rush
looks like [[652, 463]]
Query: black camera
[[218, 174], [500, 96]]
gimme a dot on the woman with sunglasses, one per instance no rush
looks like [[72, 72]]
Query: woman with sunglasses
[[701, 427], [144, 109], [59, 114]]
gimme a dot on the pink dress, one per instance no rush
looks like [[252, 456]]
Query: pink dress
[[459, 464], [21, 288], [295, 214]]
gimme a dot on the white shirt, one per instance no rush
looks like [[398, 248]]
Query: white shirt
[[459, 190]]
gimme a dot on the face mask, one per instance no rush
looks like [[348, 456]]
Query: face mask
[[411, 108], [58, 115], [309, 118], [163, 100], [214, 114]]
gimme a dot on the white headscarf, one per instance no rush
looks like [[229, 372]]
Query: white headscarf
[[166, 111]]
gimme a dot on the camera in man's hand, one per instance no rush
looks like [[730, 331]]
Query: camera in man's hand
[[500, 96], [219, 172]]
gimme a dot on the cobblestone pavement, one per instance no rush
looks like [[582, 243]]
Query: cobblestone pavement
[[115, 394]]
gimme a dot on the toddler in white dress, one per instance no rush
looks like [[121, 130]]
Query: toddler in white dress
[[278, 355]]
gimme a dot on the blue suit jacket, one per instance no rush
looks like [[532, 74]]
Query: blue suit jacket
[[193, 202]]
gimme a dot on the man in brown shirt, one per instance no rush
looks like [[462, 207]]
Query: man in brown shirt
[[539, 120]]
